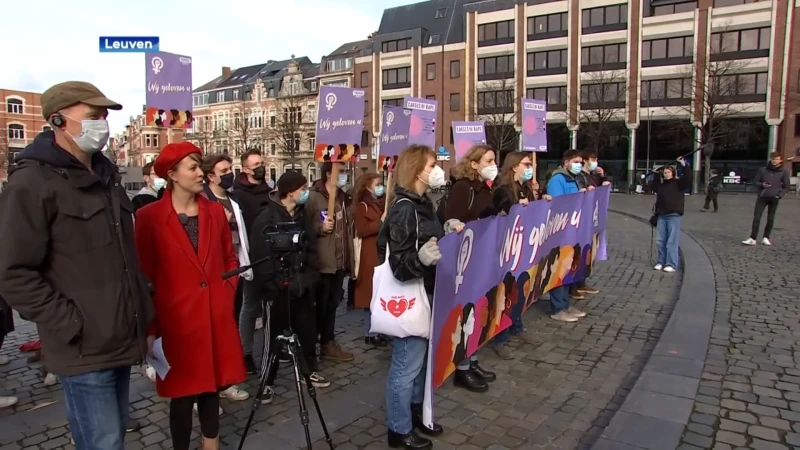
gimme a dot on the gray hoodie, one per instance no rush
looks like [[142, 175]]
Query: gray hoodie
[[777, 178]]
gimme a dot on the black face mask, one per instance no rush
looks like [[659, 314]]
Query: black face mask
[[259, 173], [226, 181]]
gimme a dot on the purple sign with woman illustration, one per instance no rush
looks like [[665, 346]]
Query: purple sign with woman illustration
[[340, 121], [422, 129], [466, 135], [169, 81], [534, 125]]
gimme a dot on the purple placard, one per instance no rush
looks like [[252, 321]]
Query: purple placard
[[534, 125], [422, 130], [394, 132], [340, 121], [169, 81], [467, 134], [508, 262]]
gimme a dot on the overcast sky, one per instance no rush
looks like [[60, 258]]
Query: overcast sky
[[50, 41]]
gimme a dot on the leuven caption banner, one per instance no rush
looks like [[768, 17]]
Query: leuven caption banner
[[507, 262]]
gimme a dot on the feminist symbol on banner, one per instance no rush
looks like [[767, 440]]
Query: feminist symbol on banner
[[330, 100], [157, 64], [389, 118], [463, 257]]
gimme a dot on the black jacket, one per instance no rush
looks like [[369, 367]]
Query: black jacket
[[69, 262], [503, 196], [399, 232], [266, 276], [776, 177], [252, 198], [670, 193], [714, 184], [586, 179]]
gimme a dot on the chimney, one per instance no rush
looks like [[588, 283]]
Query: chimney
[[226, 72]]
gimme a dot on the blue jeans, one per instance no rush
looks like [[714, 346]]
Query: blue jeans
[[516, 327], [405, 383], [668, 239], [368, 323], [559, 299], [97, 408]]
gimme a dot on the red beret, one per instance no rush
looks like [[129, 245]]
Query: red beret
[[171, 155]]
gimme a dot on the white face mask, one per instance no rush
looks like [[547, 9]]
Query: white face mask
[[435, 178], [159, 183], [489, 173], [94, 135]]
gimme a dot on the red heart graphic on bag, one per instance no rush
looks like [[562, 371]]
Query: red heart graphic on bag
[[397, 305]]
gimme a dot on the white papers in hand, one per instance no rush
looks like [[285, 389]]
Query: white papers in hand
[[158, 360]]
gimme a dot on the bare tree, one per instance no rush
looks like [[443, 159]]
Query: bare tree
[[601, 110], [245, 128], [202, 134], [496, 107], [287, 127]]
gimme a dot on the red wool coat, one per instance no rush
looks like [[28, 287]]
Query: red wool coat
[[194, 306]]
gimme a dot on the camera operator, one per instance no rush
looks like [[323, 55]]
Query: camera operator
[[287, 206]]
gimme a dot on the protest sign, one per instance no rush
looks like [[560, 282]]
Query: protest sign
[[466, 135], [394, 135], [168, 78], [534, 125], [422, 129], [340, 121]]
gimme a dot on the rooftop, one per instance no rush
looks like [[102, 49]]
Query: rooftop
[[442, 20]]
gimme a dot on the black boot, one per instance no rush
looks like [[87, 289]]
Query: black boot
[[416, 419], [470, 381], [478, 370], [410, 440]]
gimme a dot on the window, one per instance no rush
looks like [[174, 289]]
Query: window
[[555, 96], [220, 97], [663, 49], [720, 3], [605, 18], [755, 39], [547, 63], [549, 26], [255, 119], [430, 71], [200, 99], [364, 79], [293, 114], [604, 57], [16, 131], [14, 106], [496, 102], [496, 33], [611, 95], [151, 140], [397, 78], [430, 97], [433, 39], [272, 117], [747, 84], [675, 8], [313, 86], [273, 171], [396, 46], [455, 101], [392, 102], [312, 141], [455, 69], [666, 92], [235, 94], [335, 65], [496, 67], [441, 13]]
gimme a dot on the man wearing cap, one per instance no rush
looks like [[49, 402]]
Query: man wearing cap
[[69, 263]]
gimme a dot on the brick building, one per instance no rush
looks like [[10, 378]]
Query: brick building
[[20, 121], [141, 143]]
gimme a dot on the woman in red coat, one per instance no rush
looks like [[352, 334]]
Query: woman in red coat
[[184, 243]]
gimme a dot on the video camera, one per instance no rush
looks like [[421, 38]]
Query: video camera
[[286, 237]]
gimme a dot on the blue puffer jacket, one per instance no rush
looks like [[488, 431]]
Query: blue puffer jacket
[[562, 183]]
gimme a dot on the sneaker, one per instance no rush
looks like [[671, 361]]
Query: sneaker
[[586, 289], [564, 316], [234, 393], [503, 351], [4, 360], [575, 294], [669, 269], [575, 312], [250, 365], [50, 380], [749, 241], [151, 373], [194, 408], [527, 338], [133, 425], [332, 351], [658, 267], [766, 241], [318, 381], [267, 395], [7, 402]]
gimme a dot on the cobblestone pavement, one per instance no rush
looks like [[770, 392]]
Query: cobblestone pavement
[[749, 396], [559, 395]]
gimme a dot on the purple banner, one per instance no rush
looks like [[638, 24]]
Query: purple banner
[[467, 134], [534, 125], [394, 132], [423, 121], [340, 121], [169, 81], [508, 262]]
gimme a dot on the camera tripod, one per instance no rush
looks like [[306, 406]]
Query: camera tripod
[[288, 341]]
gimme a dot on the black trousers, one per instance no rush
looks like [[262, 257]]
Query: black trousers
[[771, 205], [329, 294], [300, 314], [180, 418], [711, 197], [238, 301]]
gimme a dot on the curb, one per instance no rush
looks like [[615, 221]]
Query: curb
[[657, 409]]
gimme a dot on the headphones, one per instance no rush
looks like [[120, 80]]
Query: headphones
[[57, 120]]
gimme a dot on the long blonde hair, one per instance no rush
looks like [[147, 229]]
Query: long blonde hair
[[464, 168]]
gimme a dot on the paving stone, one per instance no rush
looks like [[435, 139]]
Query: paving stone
[[731, 438], [764, 433]]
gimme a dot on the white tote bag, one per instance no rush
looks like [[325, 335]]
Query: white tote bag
[[399, 309]]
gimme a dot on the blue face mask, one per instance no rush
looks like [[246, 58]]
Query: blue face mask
[[379, 191], [593, 166], [303, 198], [575, 168], [342, 181], [527, 174]]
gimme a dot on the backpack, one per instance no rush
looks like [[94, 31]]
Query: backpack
[[443, 203]]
